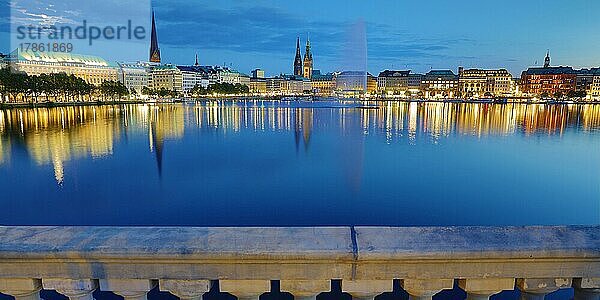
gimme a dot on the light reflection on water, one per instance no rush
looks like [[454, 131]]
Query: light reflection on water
[[301, 163]]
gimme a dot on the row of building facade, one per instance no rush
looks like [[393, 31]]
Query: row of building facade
[[546, 81], [537, 82]]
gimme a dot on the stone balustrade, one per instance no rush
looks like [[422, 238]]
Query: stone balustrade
[[130, 261]]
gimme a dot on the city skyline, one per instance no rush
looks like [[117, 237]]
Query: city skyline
[[262, 34], [392, 43]]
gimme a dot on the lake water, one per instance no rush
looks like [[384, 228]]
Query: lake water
[[224, 163]]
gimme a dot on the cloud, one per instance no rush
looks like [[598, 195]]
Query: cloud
[[272, 31]]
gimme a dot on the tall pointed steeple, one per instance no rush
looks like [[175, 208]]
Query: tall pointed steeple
[[298, 60], [308, 61], [196, 63], [547, 60], [154, 50]]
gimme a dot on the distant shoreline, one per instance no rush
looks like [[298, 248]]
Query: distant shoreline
[[290, 99], [67, 104]]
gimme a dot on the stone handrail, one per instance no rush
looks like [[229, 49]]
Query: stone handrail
[[130, 261]]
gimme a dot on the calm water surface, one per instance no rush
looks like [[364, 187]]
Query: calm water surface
[[290, 164]]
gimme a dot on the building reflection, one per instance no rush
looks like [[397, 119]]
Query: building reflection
[[54, 136]]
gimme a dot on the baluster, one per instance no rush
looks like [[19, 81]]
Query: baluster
[[424, 289], [185, 289], [21, 288], [538, 288], [587, 288], [483, 289], [245, 289], [366, 289], [129, 289], [75, 289], [305, 289]]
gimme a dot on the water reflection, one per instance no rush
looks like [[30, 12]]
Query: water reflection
[[56, 135]]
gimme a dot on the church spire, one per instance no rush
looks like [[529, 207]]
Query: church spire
[[154, 50], [196, 63], [308, 53], [547, 60], [308, 61], [298, 60]]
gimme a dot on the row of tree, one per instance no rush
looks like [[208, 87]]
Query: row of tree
[[59, 87], [220, 89], [162, 92], [561, 95]]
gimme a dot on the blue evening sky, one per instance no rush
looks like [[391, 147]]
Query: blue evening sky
[[417, 35]]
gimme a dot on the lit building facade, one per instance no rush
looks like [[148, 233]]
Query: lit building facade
[[226, 75], [393, 82], [258, 85], [322, 84], [437, 84], [192, 76], [135, 76], [351, 82], [258, 73], [594, 92], [3, 63], [550, 81], [371, 84], [414, 84], [478, 83], [166, 77], [294, 85], [92, 69], [585, 78], [274, 85]]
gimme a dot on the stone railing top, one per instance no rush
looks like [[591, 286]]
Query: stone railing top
[[299, 253], [474, 242], [326, 243], [331, 243]]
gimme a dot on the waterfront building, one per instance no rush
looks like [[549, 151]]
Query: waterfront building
[[351, 82], [273, 85], [135, 76], [478, 83], [167, 77], [258, 86], [154, 49], [585, 78], [92, 69], [226, 75], [548, 81], [355, 83], [371, 84], [393, 82], [283, 85], [414, 84], [298, 65], [294, 85], [516, 83], [3, 63], [258, 73], [308, 61], [439, 84], [594, 92], [192, 76], [322, 84]]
